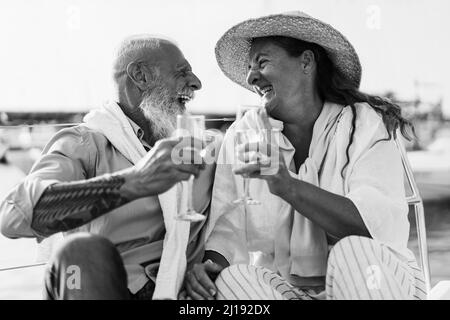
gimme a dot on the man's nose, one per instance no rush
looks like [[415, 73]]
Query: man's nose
[[252, 76], [194, 82]]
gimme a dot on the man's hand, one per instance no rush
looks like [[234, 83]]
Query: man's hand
[[158, 171], [68, 205], [199, 281]]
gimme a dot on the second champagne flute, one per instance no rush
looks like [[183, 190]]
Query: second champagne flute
[[190, 126], [243, 136], [250, 138]]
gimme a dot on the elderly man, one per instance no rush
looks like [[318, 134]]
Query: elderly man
[[106, 178]]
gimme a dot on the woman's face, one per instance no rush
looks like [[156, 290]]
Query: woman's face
[[276, 77]]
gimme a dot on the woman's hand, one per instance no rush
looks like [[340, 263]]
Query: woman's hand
[[199, 281], [271, 168], [267, 163]]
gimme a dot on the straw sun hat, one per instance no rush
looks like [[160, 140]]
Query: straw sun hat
[[232, 49]]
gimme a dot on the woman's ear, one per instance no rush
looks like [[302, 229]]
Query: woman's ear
[[308, 61], [136, 73]]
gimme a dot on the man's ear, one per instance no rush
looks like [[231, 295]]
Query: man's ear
[[308, 61], [136, 73]]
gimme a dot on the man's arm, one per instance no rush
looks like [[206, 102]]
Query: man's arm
[[67, 205]]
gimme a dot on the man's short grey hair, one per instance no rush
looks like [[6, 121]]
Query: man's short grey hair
[[134, 48]]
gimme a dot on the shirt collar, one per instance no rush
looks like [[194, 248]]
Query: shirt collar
[[139, 133], [137, 130]]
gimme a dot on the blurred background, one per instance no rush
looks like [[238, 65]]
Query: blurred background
[[56, 66]]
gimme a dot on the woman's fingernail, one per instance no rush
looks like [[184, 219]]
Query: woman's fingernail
[[212, 292]]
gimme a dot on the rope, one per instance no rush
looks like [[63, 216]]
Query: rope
[[75, 124], [39, 125], [23, 267]]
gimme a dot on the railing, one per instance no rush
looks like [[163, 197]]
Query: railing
[[416, 201], [23, 266], [71, 124]]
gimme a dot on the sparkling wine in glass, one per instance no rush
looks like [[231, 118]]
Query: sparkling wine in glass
[[243, 137], [190, 126], [250, 138]]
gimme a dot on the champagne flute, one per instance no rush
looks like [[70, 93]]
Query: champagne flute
[[242, 137], [190, 126]]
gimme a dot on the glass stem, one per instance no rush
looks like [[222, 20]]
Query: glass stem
[[190, 184], [245, 199], [246, 188]]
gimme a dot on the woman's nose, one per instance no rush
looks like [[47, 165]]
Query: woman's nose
[[252, 76]]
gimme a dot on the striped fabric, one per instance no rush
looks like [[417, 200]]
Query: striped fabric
[[361, 268], [246, 282], [358, 268]]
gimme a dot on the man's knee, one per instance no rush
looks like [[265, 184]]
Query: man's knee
[[85, 247], [89, 262]]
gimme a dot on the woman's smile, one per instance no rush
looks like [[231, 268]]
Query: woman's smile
[[266, 93]]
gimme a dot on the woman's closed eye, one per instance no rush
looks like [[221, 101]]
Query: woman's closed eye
[[262, 63], [259, 65]]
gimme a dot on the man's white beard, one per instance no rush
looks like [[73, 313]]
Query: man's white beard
[[161, 112]]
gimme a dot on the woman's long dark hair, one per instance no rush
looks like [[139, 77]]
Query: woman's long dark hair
[[334, 87]]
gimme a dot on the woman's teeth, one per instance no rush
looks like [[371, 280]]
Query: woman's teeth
[[266, 90]]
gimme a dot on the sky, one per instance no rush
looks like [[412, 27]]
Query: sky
[[57, 54]]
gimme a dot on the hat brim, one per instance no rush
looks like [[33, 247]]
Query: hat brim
[[233, 48]]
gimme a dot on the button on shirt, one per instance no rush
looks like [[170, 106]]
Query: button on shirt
[[136, 228]]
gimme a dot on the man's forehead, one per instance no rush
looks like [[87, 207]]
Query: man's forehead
[[169, 54], [183, 64]]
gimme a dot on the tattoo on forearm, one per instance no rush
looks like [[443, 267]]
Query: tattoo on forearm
[[65, 206]]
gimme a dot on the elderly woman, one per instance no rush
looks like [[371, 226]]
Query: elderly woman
[[333, 218]]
